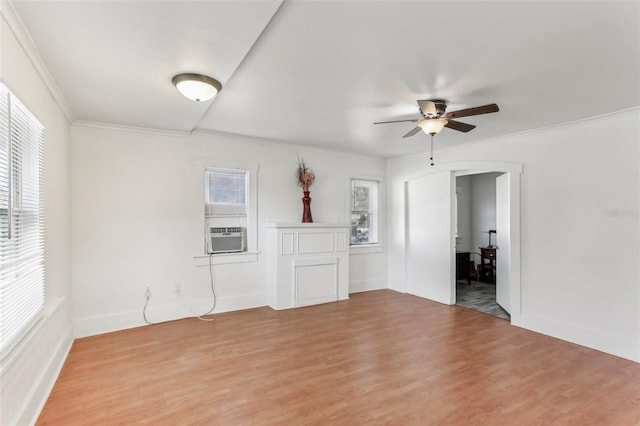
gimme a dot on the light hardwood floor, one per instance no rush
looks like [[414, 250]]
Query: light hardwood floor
[[379, 358]]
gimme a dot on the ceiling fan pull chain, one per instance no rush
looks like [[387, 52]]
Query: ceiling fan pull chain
[[431, 158]]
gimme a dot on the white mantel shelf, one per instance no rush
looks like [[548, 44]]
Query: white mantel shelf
[[305, 225], [308, 263]]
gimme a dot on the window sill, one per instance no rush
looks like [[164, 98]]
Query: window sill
[[366, 248], [224, 258], [48, 310]]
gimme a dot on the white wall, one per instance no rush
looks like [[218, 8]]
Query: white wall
[[137, 209], [476, 211], [483, 210], [579, 227], [27, 374]]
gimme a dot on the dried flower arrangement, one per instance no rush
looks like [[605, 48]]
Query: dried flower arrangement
[[305, 175]]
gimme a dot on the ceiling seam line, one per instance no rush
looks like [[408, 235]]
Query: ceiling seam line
[[195, 127]]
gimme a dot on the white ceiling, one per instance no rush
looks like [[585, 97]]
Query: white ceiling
[[320, 73]]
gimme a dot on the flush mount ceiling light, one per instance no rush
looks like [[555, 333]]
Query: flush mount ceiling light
[[432, 126], [196, 87]]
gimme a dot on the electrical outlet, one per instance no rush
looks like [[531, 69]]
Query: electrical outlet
[[178, 288], [147, 292]]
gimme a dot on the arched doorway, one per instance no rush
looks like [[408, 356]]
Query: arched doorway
[[430, 231]]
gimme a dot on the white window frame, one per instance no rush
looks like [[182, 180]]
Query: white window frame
[[251, 253], [376, 211], [22, 274]]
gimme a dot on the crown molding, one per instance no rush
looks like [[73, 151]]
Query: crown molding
[[13, 20], [280, 143], [215, 134], [125, 128], [568, 124]]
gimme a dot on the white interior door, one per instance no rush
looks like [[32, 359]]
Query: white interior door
[[503, 241], [430, 237]]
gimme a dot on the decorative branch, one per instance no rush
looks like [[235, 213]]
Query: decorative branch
[[305, 175]]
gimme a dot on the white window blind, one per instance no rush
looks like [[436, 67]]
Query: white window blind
[[21, 220], [225, 192]]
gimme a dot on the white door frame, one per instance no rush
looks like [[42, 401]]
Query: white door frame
[[503, 241], [513, 170]]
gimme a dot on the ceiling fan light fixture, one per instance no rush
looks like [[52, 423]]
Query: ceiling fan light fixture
[[432, 126], [196, 87]]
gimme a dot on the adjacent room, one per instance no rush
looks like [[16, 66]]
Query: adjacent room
[[319, 212]]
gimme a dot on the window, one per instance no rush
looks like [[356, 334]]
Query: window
[[225, 193], [226, 196], [364, 211], [21, 220]]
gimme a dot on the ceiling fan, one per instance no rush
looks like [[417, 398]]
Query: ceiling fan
[[435, 118]]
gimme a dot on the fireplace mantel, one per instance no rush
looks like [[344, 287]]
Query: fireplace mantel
[[308, 263]]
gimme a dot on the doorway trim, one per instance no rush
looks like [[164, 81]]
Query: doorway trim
[[513, 170]]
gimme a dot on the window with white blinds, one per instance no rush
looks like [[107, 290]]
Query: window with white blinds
[[225, 192], [21, 220]]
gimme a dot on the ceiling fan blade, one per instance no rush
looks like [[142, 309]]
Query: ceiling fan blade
[[485, 109], [459, 126], [413, 132], [397, 121]]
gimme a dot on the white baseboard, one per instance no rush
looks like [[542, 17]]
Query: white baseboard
[[627, 347], [50, 375], [358, 286], [28, 376], [91, 326]]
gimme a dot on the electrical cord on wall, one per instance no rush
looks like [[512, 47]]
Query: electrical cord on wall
[[213, 291], [147, 295], [200, 317]]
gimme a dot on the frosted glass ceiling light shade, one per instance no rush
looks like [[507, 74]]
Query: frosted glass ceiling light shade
[[196, 87], [432, 126]]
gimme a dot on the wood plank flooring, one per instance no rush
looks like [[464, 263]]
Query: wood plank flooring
[[380, 358]]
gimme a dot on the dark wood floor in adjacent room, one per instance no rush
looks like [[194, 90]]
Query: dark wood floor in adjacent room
[[379, 358]]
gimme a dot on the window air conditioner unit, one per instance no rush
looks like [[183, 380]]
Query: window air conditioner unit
[[226, 240]]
